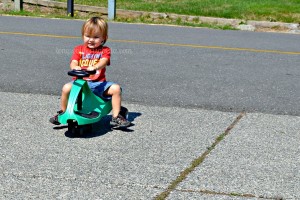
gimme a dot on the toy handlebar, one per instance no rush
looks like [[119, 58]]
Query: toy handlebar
[[81, 73]]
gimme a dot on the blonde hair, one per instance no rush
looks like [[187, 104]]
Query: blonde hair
[[93, 25]]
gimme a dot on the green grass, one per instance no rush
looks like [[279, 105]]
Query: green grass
[[178, 22], [270, 10], [40, 11], [267, 10]]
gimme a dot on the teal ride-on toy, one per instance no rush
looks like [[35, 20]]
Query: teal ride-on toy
[[84, 107]]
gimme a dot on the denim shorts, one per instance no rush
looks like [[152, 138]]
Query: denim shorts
[[98, 88]]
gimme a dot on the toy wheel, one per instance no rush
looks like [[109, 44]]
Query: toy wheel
[[124, 112], [83, 129], [88, 128], [79, 130], [72, 127]]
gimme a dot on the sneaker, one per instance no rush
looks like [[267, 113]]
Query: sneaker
[[54, 119], [119, 122]]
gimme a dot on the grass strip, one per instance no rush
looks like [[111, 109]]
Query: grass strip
[[267, 10]]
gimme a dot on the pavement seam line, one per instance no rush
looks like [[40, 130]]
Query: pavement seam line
[[217, 193], [232, 194], [196, 162], [160, 43]]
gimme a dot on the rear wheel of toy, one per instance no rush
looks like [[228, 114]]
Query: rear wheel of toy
[[88, 128]]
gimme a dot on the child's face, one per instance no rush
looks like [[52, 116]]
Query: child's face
[[93, 40]]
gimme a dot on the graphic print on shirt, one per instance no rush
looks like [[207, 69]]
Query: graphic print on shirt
[[89, 60]]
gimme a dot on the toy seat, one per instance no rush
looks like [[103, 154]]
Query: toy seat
[[84, 107]]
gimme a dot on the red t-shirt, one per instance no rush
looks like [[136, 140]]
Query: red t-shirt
[[89, 57]]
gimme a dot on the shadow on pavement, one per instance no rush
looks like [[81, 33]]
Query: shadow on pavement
[[101, 128]]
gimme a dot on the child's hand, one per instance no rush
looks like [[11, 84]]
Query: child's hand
[[77, 68], [90, 68]]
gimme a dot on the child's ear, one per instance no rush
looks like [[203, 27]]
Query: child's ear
[[103, 42]]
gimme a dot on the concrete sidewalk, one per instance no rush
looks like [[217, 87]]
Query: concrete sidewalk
[[234, 155]]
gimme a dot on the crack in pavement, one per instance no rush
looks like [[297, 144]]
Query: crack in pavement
[[195, 163]]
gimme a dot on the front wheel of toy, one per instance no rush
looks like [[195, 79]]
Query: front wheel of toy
[[76, 130], [72, 127]]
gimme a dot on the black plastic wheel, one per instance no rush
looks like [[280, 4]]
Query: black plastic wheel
[[72, 128], [72, 125], [76, 130]]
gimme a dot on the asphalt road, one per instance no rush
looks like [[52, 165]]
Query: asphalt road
[[185, 89], [161, 65]]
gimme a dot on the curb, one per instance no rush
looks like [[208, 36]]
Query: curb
[[248, 25]]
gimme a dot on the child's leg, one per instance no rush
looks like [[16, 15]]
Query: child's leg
[[63, 103], [111, 91], [115, 91], [65, 96]]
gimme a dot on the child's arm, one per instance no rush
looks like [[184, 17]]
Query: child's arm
[[74, 65], [100, 65]]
